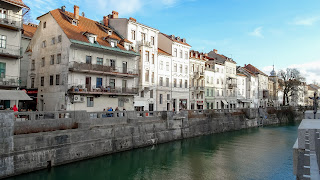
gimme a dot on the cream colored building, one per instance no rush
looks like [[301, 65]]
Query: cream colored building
[[81, 64]]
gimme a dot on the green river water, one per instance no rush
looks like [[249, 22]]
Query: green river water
[[258, 153]]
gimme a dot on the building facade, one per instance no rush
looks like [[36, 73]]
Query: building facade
[[81, 64], [145, 41]]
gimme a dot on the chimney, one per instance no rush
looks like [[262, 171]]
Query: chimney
[[172, 37], [63, 8], [133, 19], [76, 12], [215, 51], [115, 14], [82, 14], [106, 20], [184, 40]]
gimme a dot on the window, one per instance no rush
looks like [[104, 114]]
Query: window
[[99, 83], [142, 94], [51, 80], [180, 53], [167, 82], [143, 36], [207, 92], [217, 69], [180, 83], [89, 101], [133, 34], [152, 77], [207, 78], [175, 67], [180, 68], [44, 44], [161, 81], [2, 70], [59, 38], [192, 69], [174, 82], [57, 79], [92, 39], [44, 25], [175, 52], [168, 96], [152, 40], [42, 81], [160, 99], [211, 92], [147, 76], [88, 59], [113, 63], [32, 82], [186, 69], [99, 61], [120, 103], [192, 95], [43, 61], [167, 66], [152, 58], [3, 13], [113, 43], [53, 41], [112, 83], [58, 58], [218, 93], [186, 55], [151, 94], [33, 64], [186, 84], [161, 65], [51, 59], [147, 56], [3, 41]]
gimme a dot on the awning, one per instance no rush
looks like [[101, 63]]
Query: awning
[[244, 100], [13, 95], [224, 102]]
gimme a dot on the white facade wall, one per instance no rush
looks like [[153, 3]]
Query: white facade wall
[[210, 89], [219, 81], [242, 92], [231, 78], [197, 83], [263, 82], [164, 91]]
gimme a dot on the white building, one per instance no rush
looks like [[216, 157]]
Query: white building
[[251, 87], [197, 80], [243, 101], [145, 41], [81, 64], [210, 82], [10, 51], [180, 69]]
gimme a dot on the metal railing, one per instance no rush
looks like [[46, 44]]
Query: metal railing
[[10, 81], [10, 50], [78, 66], [12, 21], [80, 89]]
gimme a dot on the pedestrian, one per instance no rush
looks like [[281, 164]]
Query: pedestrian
[[15, 109]]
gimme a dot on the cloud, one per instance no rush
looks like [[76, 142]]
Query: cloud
[[310, 70], [309, 21], [257, 32]]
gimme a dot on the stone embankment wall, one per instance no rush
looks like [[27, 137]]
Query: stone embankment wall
[[35, 140]]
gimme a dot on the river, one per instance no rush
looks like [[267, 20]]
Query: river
[[258, 153]]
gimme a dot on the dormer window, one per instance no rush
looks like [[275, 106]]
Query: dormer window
[[75, 22], [127, 46], [110, 32], [113, 43], [91, 39]]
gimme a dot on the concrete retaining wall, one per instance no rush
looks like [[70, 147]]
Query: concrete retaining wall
[[97, 135]]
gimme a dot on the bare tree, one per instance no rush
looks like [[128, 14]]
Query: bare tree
[[290, 80], [26, 16]]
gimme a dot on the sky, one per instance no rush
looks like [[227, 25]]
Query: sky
[[258, 32]]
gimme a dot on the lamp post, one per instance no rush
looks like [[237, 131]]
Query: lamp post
[[315, 103]]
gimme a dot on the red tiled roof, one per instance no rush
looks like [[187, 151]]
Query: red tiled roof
[[29, 30], [239, 74], [160, 51], [193, 55], [254, 69], [175, 40], [85, 25], [17, 2], [253, 74]]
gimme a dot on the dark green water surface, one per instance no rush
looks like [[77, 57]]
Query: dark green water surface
[[259, 153]]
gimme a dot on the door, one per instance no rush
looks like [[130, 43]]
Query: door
[[124, 67], [168, 106], [88, 83], [124, 85]]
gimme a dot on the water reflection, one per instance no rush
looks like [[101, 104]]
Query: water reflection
[[260, 153]]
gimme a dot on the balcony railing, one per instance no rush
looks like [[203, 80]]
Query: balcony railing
[[11, 51], [9, 81], [80, 89], [200, 88], [145, 43], [197, 75], [101, 69], [232, 85], [12, 22]]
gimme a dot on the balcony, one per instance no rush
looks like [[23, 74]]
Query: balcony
[[198, 75], [11, 52], [232, 85], [145, 43], [11, 22], [9, 81], [200, 88], [102, 70], [103, 90]]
